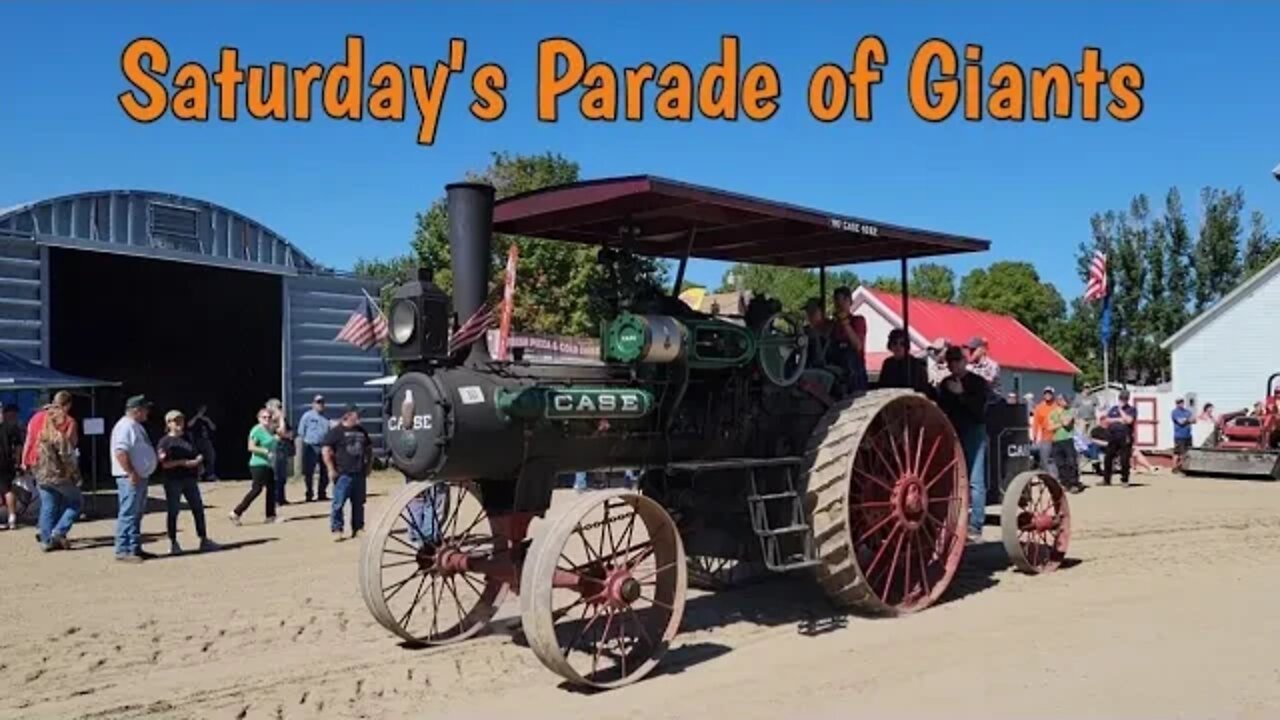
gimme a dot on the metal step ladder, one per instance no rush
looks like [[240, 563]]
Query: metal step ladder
[[781, 502]]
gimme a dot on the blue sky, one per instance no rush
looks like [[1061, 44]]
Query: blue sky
[[341, 190]]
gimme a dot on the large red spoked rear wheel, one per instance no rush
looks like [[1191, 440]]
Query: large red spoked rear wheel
[[420, 568], [603, 588], [890, 496], [1035, 522]]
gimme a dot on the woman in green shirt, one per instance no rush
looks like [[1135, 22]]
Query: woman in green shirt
[[262, 443], [1063, 451]]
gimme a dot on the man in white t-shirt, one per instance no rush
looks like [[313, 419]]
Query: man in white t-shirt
[[133, 460]]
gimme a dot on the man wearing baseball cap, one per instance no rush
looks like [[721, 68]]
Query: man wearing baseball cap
[[133, 460], [1182, 420], [1042, 432], [312, 428], [981, 364], [1119, 423], [963, 397], [348, 452]]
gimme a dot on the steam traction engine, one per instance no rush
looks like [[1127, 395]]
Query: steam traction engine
[[751, 460]]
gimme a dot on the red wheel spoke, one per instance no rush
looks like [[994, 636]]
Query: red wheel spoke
[[893, 565], [924, 574], [906, 564], [872, 478], [642, 578], [884, 545], [875, 528], [941, 473], [916, 468]]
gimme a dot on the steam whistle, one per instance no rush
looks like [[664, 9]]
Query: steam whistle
[[406, 409]]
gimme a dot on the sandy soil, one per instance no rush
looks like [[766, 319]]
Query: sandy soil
[[1170, 612]]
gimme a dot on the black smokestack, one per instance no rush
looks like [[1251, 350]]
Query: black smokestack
[[470, 207]]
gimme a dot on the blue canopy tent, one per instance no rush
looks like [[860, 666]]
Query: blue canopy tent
[[22, 381]]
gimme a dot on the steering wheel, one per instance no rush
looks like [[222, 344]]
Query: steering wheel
[[783, 349]]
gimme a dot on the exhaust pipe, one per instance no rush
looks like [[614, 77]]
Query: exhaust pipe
[[470, 209]]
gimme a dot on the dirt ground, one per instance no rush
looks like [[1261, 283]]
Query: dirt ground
[[1168, 612]]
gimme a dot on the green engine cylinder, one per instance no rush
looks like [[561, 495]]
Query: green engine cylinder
[[632, 338], [700, 343]]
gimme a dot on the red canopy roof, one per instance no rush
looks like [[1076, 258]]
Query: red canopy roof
[[665, 218], [1009, 342]]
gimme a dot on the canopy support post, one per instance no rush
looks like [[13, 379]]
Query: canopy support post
[[684, 263], [822, 287], [906, 303], [93, 461]]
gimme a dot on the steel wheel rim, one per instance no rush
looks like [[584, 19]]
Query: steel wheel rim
[[908, 501], [1036, 523], [407, 590], [607, 632]]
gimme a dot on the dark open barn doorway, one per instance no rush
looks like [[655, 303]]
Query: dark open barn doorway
[[182, 334]]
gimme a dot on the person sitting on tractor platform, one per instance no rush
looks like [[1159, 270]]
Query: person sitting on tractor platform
[[1182, 420], [1119, 423], [902, 369], [847, 344], [818, 330], [963, 397]]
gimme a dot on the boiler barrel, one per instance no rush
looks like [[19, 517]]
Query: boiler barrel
[[459, 424]]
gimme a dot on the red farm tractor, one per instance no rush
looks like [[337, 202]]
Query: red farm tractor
[[1244, 444]]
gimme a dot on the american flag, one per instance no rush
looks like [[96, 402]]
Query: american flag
[[1096, 288], [365, 328], [471, 330]]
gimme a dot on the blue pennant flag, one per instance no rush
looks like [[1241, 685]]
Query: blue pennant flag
[[1106, 321]]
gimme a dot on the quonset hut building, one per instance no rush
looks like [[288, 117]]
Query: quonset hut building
[[185, 301]]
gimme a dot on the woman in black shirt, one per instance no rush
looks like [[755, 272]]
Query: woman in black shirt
[[180, 467]]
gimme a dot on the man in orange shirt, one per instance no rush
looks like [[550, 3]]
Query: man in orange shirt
[[1042, 433]]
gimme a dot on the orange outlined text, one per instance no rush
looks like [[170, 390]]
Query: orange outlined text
[[342, 90], [943, 81]]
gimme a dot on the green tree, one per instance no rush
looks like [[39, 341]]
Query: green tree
[[1013, 288], [391, 272], [933, 282], [559, 286], [1217, 254], [1261, 248], [1179, 267], [792, 286]]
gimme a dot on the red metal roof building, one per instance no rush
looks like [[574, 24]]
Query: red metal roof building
[[1011, 344]]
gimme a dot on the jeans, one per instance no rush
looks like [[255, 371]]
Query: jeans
[[311, 463], [132, 500], [59, 509], [174, 492], [974, 440], [280, 467], [428, 511], [263, 479], [348, 486], [1067, 462], [1044, 452], [580, 481]]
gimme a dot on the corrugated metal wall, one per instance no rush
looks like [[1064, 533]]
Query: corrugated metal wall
[[164, 226], [317, 306], [22, 311], [159, 224]]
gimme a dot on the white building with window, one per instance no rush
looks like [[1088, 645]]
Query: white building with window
[[1225, 355]]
